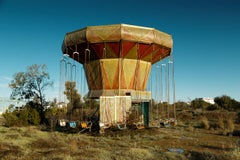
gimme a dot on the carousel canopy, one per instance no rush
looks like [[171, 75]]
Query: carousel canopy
[[120, 40]]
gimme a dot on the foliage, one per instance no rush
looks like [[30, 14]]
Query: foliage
[[212, 107], [10, 117], [222, 102], [23, 117], [238, 117], [90, 103], [40, 109], [29, 116], [30, 86], [73, 96], [181, 105], [55, 111], [227, 103], [199, 103]]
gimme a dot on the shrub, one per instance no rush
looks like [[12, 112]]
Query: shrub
[[185, 115], [230, 125], [199, 103], [212, 107], [190, 128], [205, 122], [24, 117], [10, 118], [238, 117], [220, 122], [29, 116]]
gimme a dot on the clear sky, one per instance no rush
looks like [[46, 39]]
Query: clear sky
[[205, 34]]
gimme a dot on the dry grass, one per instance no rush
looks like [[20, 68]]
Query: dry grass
[[29, 143], [221, 122], [205, 122], [230, 125], [190, 128], [199, 138]]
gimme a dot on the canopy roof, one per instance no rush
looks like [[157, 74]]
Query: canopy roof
[[118, 37]]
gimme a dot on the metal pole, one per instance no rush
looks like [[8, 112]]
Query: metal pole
[[158, 98], [62, 65], [174, 93], [75, 68], [87, 53], [66, 56], [173, 85], [168, 87], [165, 75]]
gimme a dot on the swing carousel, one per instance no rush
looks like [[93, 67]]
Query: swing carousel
[[112, 63]]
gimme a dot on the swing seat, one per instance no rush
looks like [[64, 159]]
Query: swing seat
[[122, 126], [86, 125], [72, 124], [139, 125], [104, 125]]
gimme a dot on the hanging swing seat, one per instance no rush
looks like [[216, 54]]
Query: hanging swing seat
[[172, 122], [86, 124], [122, 126], [72, 124], [139, 125], [168, 122], [164, 123], [104, 126]]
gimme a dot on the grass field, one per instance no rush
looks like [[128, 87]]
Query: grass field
[[34, 143]]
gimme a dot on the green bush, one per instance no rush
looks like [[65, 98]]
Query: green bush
[[227, 103], [199, 103], [29, 116], [212, 107], [10, 118], [24, 117]]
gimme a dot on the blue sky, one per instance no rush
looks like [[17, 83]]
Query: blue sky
[[205, 34]]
